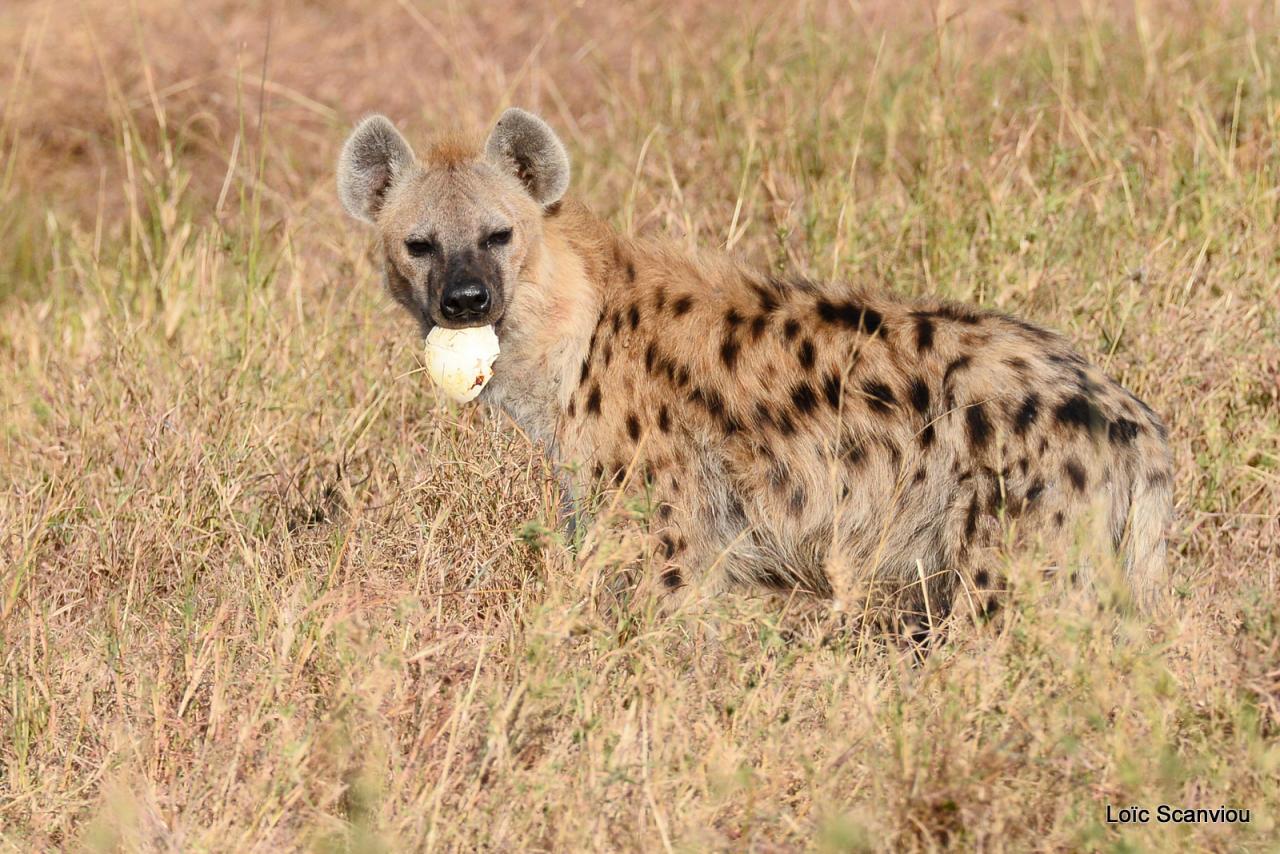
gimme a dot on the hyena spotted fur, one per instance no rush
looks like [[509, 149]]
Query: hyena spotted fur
[[795, 435]]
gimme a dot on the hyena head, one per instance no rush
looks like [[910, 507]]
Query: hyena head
[[459, 225]]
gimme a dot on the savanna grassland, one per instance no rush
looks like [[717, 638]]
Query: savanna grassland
[[260, 590]]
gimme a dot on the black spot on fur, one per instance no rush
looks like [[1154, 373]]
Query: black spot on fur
[[982, 578], [660, 299], [768, 302], [698, 396], [681, 376], [1078, 412], [954, 367], [971, 519], [572, 408], [664, 511], [798, 499], [732, 318], [1067, 360], [920, 475], [851, 315], [763, 417], [633, 316], [1156, 424], [650, 356], [772, 578], [729, 352], [791, 329], [681, 305], [664, 418], [1058, 518], [1076, 474], [593, 401], [586, 371], [714, 403], [958, 313], [803, 398], [1122, 431], [608, 353], [995, 499], [779, 477], [1018, 364], [633, 427], [920, 396], [758, 324], [786, 426], [806, 354], [671, 579], [1031, 329], [615, 321], [1026, 414], [880, 396], [631, 271], [851, 453], [668, 546], [831, 389], [927, 435], [1023, 465], [924, 334], [1034, 492], [978, 425]]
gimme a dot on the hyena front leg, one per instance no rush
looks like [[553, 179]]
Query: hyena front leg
[[684, 556], [650, 544]]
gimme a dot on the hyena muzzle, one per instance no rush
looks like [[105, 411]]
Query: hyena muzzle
[[793, 435]]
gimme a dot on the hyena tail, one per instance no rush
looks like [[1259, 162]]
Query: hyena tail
[[1140, 538]]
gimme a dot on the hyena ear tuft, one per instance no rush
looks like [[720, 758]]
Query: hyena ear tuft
[[374, 156], [524, 145]]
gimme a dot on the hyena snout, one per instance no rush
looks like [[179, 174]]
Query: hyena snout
[[472, 292], [467, 300]]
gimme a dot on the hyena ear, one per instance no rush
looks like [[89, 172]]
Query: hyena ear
[[524, 145], [374, 156]]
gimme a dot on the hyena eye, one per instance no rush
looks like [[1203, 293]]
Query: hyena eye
[[499, 238], [420, 248]]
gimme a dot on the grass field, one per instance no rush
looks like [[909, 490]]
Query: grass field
[[261, 590]]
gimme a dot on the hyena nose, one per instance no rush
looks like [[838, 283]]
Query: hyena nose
[[465, 301]]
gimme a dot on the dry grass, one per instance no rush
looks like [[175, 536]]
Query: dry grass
[[260, 591]]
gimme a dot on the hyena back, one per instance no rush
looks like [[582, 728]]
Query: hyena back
[[794, 435]]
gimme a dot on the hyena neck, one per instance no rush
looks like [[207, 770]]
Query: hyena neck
[[553, 315]]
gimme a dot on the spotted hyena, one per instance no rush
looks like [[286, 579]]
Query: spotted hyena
[[793, 435]]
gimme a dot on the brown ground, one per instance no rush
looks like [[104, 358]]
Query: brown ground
[[260, 590]]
